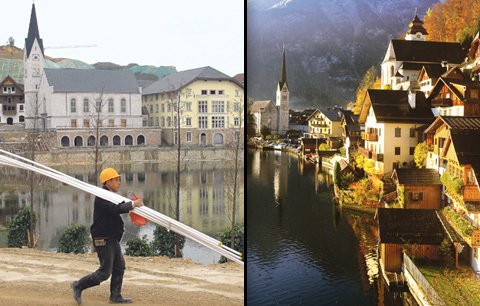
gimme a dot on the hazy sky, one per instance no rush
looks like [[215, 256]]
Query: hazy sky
[[182, 33]]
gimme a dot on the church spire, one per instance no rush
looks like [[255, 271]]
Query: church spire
[[33, 33], [416, 29], [283, 71]]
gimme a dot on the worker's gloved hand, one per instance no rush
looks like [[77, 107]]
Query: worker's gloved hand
[[138, 202]]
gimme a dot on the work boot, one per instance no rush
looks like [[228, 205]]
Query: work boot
[[77, 292], [120, 300]]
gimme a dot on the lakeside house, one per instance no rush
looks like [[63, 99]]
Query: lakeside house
[[419, 231], [394, 122], [12, 103], [454, 152], [211, 107], [351, 132], [265, 114], [419, 188]]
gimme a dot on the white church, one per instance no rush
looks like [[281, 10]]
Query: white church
[[274, 116]]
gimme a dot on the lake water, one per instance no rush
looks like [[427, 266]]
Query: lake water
[[301, 248], [206, 189]]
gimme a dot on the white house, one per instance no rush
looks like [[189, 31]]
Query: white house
[[394, 121]]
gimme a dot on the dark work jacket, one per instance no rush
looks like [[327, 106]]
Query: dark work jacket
[[107, 222]]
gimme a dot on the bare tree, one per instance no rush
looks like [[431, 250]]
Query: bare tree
[[235, 147]]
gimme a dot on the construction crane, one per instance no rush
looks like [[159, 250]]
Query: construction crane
[[73, 46]]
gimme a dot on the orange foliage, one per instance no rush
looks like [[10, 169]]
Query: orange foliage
[[452, 20]]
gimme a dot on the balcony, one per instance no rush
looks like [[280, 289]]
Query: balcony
[[365, 152], [471, 193], [369, 136], [442, 102]]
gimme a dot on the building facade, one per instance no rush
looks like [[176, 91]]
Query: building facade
[[12, 102], [211, 107]]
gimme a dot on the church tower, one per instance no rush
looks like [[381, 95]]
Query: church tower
[[33, 62], [416, 30], [282, 99]]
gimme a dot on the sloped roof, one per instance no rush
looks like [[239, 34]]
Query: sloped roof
[[417, 176], [175, 81], [467, 148], [462, 122], [334, 114], [260, 106], [92, 80], [434, 71], [351, 121], [416, 25], [33, 33], [393, 106], [409, 226], [449, 83], [427, 51]]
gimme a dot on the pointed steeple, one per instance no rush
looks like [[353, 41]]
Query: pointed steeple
[[416, 25], [283, 71], [33, 33]]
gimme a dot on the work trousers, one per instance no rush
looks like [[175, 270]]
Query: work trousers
[[111, 263]]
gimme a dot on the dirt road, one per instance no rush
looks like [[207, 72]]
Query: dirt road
[[32, 277]]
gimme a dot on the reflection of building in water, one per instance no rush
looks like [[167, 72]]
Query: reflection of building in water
[[256, 159], [205, 198], [280, 177]]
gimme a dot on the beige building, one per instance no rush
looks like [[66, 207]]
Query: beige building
[[211, 107], [325, 123], [394, 121]]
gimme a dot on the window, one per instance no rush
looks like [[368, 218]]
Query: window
[[236, 121], [188, 136], [236, 107], [188, 106], [218, 107], [169, 122], [73, 123], [237, 93], [162, 121], [204, 92], [128, 140], [21, 107], [220, 92], [412, 132], [175, 137], [188, 121], [218, 122], [123, 122], [86, 123], [156, 108], [212, 92], [474, 93], [85, 106], [151, 109], [203, 122], [156, 121], [73, 106], [163, 108], [140, 140], [123, 106], [99, 106], [416, 196], [202, 106], [412, 150], [116, 140], [398, 132], [110, 105], [397, 150], [111, 122], [175, 121]]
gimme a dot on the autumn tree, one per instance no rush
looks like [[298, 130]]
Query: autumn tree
[[420, 154], [453, 21], [370, 81]]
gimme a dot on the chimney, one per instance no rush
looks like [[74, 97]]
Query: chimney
[[411, 99]]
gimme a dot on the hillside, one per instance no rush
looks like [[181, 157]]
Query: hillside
[[329, 45], [11, 63]]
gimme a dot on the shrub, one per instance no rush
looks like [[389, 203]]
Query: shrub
[[138, 247], [74, 240], [369, 166], [420, 154], [265, 131], [323, 147], [460, 223], [452, 183], [239, 243], [18, 228], [163, 243]]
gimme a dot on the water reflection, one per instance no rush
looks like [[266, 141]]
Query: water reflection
[[205, 199]]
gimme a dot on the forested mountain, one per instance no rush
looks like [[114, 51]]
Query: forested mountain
[[330, 44]]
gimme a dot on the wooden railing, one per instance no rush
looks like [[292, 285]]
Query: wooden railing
[[421, 281], [442, 102], [471, 193], [365, 152], [369, 136]]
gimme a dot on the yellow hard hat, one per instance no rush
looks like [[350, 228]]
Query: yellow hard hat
[[108, 174]]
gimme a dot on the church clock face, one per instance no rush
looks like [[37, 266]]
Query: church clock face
[[35, 57]]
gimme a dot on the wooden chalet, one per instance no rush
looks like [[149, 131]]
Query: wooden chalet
[[419, 231], [421, 187], [429, 76], [12, 102]]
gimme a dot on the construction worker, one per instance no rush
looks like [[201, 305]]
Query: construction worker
[[107, 231]]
